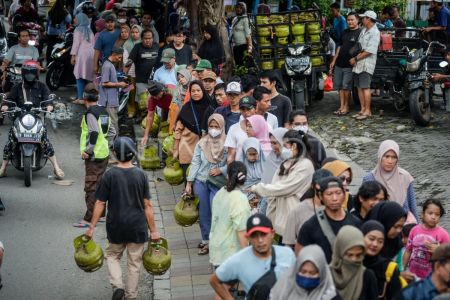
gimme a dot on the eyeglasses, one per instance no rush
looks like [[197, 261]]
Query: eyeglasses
[[345, 179], [178, 36], [134, 22]]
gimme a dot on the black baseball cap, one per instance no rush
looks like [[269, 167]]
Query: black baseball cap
[[446, 50], [258, 222], [320, 174], [329, 182], [247, 101], [124, 148]]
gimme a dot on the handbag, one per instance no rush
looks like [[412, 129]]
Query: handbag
[[218, 181], [356, 49], [260, 290]]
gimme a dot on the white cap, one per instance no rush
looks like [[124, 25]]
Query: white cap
[[369, 14], [234, 88]]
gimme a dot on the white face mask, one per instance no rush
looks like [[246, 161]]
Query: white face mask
[[214, 132], [287, 153], [303, 128]]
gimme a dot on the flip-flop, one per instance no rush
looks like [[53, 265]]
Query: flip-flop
[[344, 113], [204, 251], [337, 113], [201, 246], [363, 117], [85, 225], [3, 173], [101, 221], [59, 174], [357, 115]]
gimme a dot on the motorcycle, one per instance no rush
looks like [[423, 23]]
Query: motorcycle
[[445, 86], [418, 86], [298, 69], [60, 70], [28, 138], [33, 29]]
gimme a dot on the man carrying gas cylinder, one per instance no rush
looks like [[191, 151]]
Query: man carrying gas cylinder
[[96, 133]]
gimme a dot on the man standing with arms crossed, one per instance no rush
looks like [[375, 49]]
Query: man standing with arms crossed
[[96, 131], [130, 215]]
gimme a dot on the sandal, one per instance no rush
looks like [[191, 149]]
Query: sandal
[[80, 224], [59, 174], [343, 113], [3, 173], [204, 251], [201, 246], [357, 115], [363, 117], [338, 112]]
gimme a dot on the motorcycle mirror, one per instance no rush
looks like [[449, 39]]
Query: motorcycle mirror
[[40, 59], [2, 97], [128, 64], [51, 97], [443, 64]]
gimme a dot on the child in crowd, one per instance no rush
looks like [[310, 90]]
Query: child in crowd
[[424, 239], [194, 52], [405, 234]]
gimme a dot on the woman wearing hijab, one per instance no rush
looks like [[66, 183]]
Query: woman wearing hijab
[[125, 34], [210, 159], [187, 131], [254, 159], [134, 38], [344, 172], [398, 182], [99, 26], [352, 280], [273, 161], [57, 19], [291, 180], [134, 20], [212, 48], [240, 34], [263, 9], [308, 279], [82, 54], [373, 232], [257, 127]]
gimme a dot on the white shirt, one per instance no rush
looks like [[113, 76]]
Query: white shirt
[[1, 245], [235, 139], [272, 121]]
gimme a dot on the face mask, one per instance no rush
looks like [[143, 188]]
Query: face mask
[[214, 132], [287, 153], [303, 128], [122, 20], [152, 23], [307, 283]]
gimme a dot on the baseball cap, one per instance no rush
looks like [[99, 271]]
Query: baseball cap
[[110, 18], [209, 75], [258, 222], [117, 49], [329, 182], [117, 6], [124, 148], [446, 50], [369, 14], [321, 174], [154, 87], [203, 64], [91, 88], [442, 252], [247, 101], [167, 55], [234, 88]]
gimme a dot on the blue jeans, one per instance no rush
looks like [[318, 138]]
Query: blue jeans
[[262, 205], [205, 193], [81, 84]]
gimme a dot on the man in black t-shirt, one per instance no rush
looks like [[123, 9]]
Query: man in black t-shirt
[[343, 70], [332, 195], [281, 105], [130, 215]]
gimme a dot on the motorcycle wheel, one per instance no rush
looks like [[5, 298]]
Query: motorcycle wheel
[[53, 77], [301, 100], [421, 115], [27, 171], [355, 96]]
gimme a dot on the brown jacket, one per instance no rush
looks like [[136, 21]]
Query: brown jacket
[[188, 141]]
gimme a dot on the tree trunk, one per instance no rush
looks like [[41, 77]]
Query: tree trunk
[[193, 17], [213, 12]]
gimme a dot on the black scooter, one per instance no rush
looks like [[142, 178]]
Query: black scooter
[[60, 70]]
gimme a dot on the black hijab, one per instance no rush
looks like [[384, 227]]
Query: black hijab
[[212, 49], [57, 13], [186, 115], [388, 213], [376, 263]]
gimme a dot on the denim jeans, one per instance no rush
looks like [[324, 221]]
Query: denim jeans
[[262, 205], [205, 193], [81, 84]]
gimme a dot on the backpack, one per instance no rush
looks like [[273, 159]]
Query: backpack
[[389, 273]]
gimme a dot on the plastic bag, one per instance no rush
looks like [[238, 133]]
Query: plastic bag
[[328, 84]]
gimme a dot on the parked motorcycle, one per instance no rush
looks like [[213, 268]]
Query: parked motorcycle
[[60, 70], [418, 87], [298, 69], [445, 86], [28, 138]]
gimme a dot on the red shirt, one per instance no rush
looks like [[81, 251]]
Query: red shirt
[[164, 104], [110, 5]]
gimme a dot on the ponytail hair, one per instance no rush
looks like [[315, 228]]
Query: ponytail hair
[[304, 149], [237, 174]]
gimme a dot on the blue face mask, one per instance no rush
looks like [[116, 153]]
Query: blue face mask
[[307, 283], [152, 23]]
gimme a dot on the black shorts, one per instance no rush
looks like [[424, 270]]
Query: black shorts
[[8, 85], [231, 282]]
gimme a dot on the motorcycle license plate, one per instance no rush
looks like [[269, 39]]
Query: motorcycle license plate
[[29, 137], [60, 45]]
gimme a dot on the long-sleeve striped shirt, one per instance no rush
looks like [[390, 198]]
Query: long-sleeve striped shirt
[[410, 201]]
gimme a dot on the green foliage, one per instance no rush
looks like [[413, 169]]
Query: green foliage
[[378, 5], [240, 70], [323, 4]]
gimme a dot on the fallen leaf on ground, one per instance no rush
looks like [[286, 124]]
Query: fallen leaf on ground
[[343, 127], [431, 127], [64, 182]]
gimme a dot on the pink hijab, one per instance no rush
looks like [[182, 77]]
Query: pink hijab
[[396, 181], [101, 24], [261, 131]]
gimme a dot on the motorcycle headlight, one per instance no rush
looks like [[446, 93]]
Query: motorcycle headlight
[[308, 71], [413, 66], [289, 71], [60, 53], [31, 42], [28, 120], [15, 132]]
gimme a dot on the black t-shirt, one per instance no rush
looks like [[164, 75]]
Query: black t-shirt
[[183, 56], [311, 233], [144, 59], [348, 40], [281, 107], [125, 190]]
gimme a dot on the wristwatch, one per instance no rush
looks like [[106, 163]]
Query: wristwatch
[[356, 58]]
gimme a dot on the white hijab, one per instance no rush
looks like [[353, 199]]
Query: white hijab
[[273, 161]]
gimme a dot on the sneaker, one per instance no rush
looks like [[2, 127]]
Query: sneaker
[[118, 294]]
